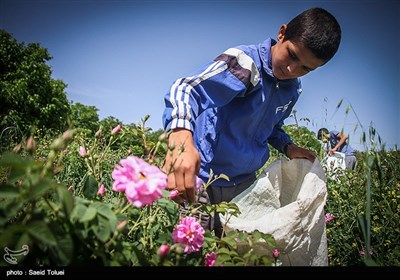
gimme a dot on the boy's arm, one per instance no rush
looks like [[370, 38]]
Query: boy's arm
[[230, 75], [281, 141], [215, 85], [342, 140]]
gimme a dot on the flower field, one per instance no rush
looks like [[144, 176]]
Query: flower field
[[82, 199]]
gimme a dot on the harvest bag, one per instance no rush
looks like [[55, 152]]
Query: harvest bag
[[287, 200], [334, 161]]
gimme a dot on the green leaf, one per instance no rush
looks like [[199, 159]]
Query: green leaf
[[256, 235], [64, 251], [269, 239], [9, 209], [371, 160], [168, 205], [10, 236], [18, 165], [348, 109], [339, 104], [40, 232], [234, 233], [13, 160], [77, 212], [140, 257], [363, 226], [222, 251], [25, 241], [266, 260], [66, 199], [104, 210], [230, 241], [348, 246], [16, 174], [88, 215], [102, 229], [90, 187], [39, 189], [242, 235], [222, 258], [9, 191]]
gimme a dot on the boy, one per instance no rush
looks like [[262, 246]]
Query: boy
[[223, 116], [338, 143]]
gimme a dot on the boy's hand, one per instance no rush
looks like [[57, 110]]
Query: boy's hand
[[293, 151], [331, 151], [182, 164]]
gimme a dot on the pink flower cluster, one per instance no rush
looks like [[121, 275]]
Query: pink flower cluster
[[190, 234], [102, 190], [199, 184], [116, 130], [163, 250], [363, 251], [142, 183], [328, 217], [210, 259], [82, 151]]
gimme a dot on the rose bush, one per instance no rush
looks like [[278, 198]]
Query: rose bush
[[83, 201]]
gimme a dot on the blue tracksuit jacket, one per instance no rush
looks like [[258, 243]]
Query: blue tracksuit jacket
[[334, 140], [234, 106]]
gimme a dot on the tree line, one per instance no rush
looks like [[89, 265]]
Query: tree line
[[32, 102]]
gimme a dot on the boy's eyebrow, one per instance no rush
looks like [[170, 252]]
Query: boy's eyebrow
[[290, 50]]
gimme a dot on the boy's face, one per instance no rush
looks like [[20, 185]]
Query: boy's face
[[325, 138], [291, 60]]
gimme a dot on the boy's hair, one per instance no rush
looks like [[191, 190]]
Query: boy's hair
[[321, 132], [317, 30]]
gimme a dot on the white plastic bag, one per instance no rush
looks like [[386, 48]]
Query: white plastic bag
[[287, 200], [334, 161]]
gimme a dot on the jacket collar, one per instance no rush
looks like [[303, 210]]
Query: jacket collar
[[266, 57]]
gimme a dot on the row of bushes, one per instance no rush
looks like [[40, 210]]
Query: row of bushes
[[58, 206], [57, 197]]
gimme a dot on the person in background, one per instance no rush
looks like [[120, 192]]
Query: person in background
[[337, 142], [221, 118]]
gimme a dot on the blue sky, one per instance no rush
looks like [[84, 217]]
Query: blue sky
[[122, 56]]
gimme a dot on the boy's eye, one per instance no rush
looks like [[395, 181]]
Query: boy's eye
[[292, 55]]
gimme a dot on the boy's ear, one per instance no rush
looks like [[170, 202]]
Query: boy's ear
[[282, 31]]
